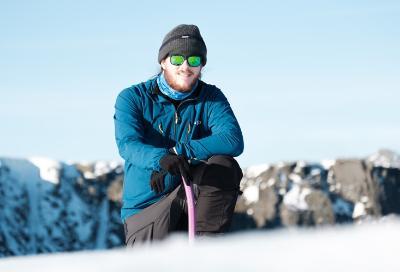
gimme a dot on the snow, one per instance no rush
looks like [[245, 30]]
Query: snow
[[359, 210], [315, 172], [49, 169], [256, 170], [299, 165], [46, 211], [251, 194], [296, 198], [370, 246], [295, 178], [327, 163], [360, 207], [99, 168], [385, 158]]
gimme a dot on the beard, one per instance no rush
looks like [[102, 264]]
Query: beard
[[176, 84]]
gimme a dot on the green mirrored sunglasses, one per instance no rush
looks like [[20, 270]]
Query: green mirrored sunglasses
[[193, 61]]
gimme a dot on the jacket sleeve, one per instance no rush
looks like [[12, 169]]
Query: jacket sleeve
[[129, 133], [226, 136]]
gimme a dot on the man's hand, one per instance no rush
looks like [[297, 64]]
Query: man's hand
[[157, 182], [175, 165]]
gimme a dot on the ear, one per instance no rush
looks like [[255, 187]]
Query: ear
[[163, 64]]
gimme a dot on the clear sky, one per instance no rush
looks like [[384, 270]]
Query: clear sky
[[306, 79]]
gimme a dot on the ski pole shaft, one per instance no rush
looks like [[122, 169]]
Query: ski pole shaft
[[191, 210]]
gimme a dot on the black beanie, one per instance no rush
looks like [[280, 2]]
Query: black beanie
[[184, 40]]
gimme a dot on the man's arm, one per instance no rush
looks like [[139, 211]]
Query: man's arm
[[129, 129], [226, 136]]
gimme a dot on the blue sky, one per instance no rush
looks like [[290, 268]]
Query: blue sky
[[306, 79]]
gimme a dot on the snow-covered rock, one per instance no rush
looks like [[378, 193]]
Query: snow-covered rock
[[305, 193], [52, 206], [385, 158]]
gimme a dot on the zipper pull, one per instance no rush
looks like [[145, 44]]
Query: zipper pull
[[176, 118], [160, 128], [188, 129]]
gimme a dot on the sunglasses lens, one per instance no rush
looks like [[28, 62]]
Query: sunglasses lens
[[194, 61], [177, 60]]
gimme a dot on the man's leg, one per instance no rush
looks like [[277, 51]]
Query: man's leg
[[153, 222], [218, 183]]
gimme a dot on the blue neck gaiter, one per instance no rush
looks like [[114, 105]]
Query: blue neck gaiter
[[171, 93]]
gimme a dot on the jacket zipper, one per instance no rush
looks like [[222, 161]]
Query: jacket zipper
[[160, 128], [175, 123], [188, 133], [177, 116]]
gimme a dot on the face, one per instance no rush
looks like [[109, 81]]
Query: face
[[181, 78]]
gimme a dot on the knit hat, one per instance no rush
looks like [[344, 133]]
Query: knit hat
[[184, 40]]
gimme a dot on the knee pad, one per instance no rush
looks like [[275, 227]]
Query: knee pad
[[220, 171]]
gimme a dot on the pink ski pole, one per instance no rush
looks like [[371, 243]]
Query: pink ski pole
[[191, 210]]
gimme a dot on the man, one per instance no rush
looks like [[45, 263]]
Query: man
[[177, 125]]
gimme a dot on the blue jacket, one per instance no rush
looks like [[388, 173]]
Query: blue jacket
[[147, 125]]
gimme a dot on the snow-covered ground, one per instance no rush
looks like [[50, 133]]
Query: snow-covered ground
[[372, 246]]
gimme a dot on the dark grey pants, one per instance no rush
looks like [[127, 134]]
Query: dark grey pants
[[216, 186]]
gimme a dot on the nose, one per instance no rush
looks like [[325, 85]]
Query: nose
[[185, 68], [185, 64]]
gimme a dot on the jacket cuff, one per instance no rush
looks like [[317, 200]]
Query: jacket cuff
[[157, 166]]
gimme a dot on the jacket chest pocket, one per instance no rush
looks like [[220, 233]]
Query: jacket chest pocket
[[155, 133], [194, 130]]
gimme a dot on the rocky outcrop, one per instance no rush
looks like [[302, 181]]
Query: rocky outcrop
[[50, 206], [309, 194]]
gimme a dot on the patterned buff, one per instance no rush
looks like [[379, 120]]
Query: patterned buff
[[171, 93]]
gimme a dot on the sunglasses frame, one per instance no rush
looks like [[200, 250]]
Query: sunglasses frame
[[185, 58]]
